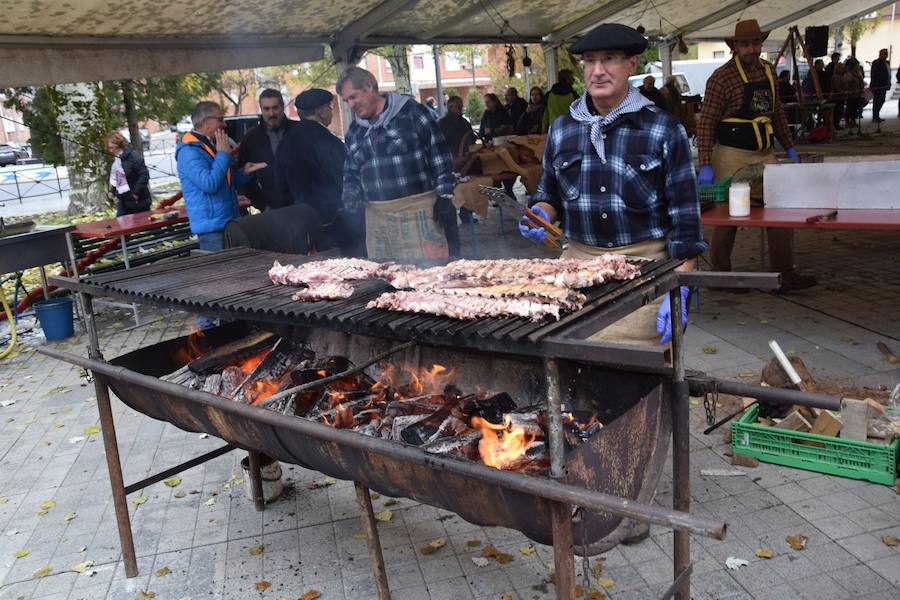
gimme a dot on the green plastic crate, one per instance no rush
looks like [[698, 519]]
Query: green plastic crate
[[716, 192], [832, 455]]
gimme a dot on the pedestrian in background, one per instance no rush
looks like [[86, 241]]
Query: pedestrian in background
[[129, 179]]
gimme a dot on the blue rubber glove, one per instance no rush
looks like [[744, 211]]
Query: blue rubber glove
[[792, 154], [536, 234], [707, 175], [664, 323]]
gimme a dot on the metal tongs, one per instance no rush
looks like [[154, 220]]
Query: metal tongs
[[555, 238]]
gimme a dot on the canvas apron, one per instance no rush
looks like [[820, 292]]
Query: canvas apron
[[639, 327], [405, 228]]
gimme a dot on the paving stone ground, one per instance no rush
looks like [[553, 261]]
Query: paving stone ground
[[202, 529]]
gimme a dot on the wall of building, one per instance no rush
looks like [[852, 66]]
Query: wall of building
[[10, 128]]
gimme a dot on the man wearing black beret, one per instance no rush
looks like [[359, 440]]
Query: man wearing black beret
[[310, 165], [618, 174]]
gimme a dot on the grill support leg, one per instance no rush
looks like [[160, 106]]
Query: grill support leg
[[681, 482], [256, 481], [563, 556], [364, 502], [110, 445]]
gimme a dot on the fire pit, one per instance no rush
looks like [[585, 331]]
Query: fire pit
[[596, 485]]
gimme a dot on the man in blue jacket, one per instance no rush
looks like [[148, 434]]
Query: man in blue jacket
[[207, 178]]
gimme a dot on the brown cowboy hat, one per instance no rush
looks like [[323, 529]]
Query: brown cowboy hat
[[747, 30]]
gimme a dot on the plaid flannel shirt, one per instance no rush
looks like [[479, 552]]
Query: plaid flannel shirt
[[723, 98], [406, 156], [644, 189]]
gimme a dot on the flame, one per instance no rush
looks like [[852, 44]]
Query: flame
[[417, 382], [195, 347], [501, 445]]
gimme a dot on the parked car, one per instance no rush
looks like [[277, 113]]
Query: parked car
[[143, 132], [8, 155], [680, 80]]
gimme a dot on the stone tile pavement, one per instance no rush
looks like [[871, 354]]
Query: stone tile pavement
[[203, 529]]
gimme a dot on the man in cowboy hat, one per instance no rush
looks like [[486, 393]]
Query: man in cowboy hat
[[741, 115], [618, 174]]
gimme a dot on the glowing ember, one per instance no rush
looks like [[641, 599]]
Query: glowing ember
[[196, 346], [501, 446]]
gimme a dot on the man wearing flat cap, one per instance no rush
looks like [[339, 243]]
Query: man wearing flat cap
[[741, 117], [618, 174], [310, 165], [260, 145]]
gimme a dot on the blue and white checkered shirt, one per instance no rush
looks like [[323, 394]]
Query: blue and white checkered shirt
[[643, 188], [406, 156]]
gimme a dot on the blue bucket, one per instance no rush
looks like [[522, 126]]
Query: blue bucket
[[56, 318]]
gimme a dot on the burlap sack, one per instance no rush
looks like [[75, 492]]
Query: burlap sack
[[466, 195], [405, 228]]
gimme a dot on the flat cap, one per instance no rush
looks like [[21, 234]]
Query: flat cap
[[611, 36], [312, 99]]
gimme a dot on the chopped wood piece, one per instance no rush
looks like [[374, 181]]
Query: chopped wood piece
[[854, 419], [795, 422], [826, 424], [875, 408], [742, 460]]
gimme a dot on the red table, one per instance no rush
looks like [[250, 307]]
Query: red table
[[857, 218]]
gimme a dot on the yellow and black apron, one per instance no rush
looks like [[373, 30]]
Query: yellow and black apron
[[751, 127]]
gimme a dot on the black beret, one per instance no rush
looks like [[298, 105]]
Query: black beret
[[312, 99], [611, 36]]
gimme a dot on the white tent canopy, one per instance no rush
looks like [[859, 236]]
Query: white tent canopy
[[48, 42]]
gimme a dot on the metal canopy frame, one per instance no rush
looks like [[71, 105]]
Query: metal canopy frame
[[46, 57]]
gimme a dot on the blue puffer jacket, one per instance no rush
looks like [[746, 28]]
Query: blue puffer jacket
[[210, 200]]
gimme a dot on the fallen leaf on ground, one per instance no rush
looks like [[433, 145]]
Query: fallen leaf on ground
[[359, 535], [180, 494], [391, 502], [709, 350], [315, 485], [91, 430], [890, 540], [763, 322], [597, 568], [765, 553], [59, 425], [142, 595], [527, 550], [70, 516], [83, 566], [174, 482], [6, 403], [433, 546], [76, 439], [42, 572], [797, 542], [41, 513], [262, 585], [162, 572], [47, 504], [479, 561], [4, 500], [385, 515], [605, 582], [82, 549], [506, 597], [211, 502], [139, 500], [473, 543], [256, 550], [311, 595], [503, 558], [374, 495], [735, 563], [596, 595], [23, 552]]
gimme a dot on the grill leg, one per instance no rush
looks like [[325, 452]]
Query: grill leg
[[256, 481], [563, 554], [110, 445], [364, 502], [681, 481]]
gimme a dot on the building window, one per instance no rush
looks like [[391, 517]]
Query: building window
[[418, 61], [451, 62], [718, 54]]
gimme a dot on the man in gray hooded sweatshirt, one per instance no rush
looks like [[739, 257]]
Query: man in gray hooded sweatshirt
[[398, 165]]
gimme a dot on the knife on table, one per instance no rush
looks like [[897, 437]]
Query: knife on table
[[823, 217]]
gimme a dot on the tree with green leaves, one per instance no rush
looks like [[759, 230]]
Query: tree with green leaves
[[397, 57], [856, 28], [474, 106]]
